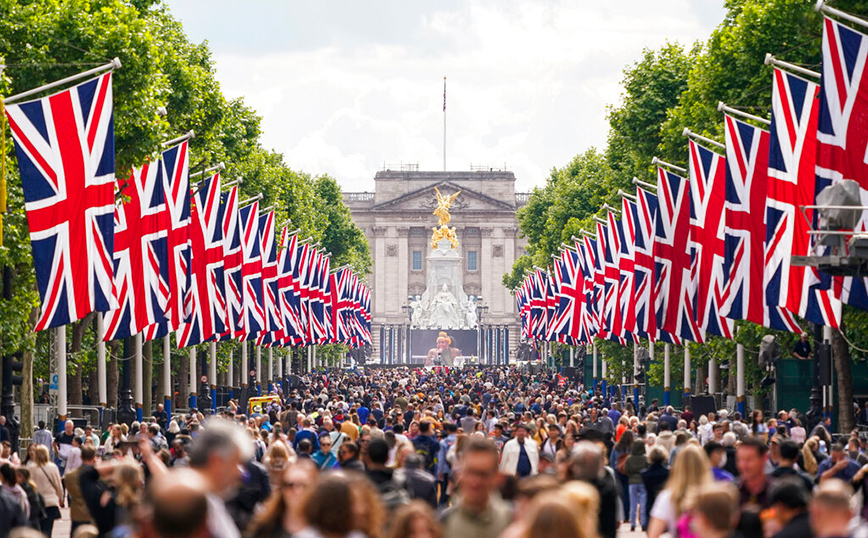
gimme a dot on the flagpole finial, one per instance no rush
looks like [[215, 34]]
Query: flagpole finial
[[819, 5], [720, 106], [116, 63], [769, 59]]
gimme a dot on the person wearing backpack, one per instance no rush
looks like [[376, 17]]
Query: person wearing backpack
[[392, 484], [427, 445]]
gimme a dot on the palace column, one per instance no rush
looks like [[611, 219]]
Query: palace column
[[484, 265]]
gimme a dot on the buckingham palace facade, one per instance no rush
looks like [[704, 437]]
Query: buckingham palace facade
[[397, 220]]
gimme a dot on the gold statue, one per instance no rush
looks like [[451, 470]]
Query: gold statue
[[444, 232], [443, 216], [443, 205]]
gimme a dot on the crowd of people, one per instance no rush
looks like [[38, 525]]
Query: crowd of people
[[457, 453]]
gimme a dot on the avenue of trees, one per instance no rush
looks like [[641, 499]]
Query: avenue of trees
[[666, 90], [45, 40]]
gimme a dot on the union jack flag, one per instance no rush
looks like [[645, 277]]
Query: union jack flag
[[626, 271], [522, 298], [589, 324], [269, 273], [842, 135], [601, 262], [251, 272], [792, 182], [673, 259], [707, 197], [65, 149], [747, 151], [293, 328], [594, 283], [538, 306], [644, 218], [205, 298], [232, 262], [570, 298], [341, 304], [174, 171], [140, 255], [612, 249]]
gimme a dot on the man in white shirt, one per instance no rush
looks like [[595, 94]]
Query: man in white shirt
[[520, 455]]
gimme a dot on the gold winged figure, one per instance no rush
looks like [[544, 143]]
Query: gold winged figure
[[443, 205]]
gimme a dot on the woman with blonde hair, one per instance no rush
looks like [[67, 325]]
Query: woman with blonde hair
[[587, 501], [809, 460], [554, 515], [276, 459], [46, 475], [415, 520], [690, 471]]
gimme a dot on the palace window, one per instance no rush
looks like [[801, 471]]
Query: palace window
[[417, 260], [472, 261]]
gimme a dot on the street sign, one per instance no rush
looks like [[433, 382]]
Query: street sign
[[204, 379], [252, 373], [52, 387]]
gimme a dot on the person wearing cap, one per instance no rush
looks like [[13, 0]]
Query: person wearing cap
[[520, 457], [790, 500]]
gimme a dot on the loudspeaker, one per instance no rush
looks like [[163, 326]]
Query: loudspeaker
[[701, 405], [824, 363]]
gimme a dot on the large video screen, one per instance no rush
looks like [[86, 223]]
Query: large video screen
[[424, 342]]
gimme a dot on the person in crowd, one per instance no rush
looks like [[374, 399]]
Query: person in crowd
[[281, 516], [63, 444], [714, 512], [654, 478], [751, 457], [787, 466], [78, 511], [34, 499], [789, 498], [46, 475], [520, 456], [11, 489], [635, 464], [348, 457], [415, 520], [838, 466], [42, 436], [830, 511], [179, 506], [478, 512], [690, 472], [342, 505], [324, 457], [217, 456], [588, 465], [717, 458], [618, 460], [420, 484], [802, 349]]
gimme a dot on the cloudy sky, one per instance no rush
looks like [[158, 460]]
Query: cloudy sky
[[345, 86]]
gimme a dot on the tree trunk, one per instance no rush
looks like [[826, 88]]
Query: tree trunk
[[111, 374], [25, 393], [841, 360], [75, 386], [147, 377]]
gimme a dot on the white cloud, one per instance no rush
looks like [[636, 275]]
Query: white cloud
[[528, 82]]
